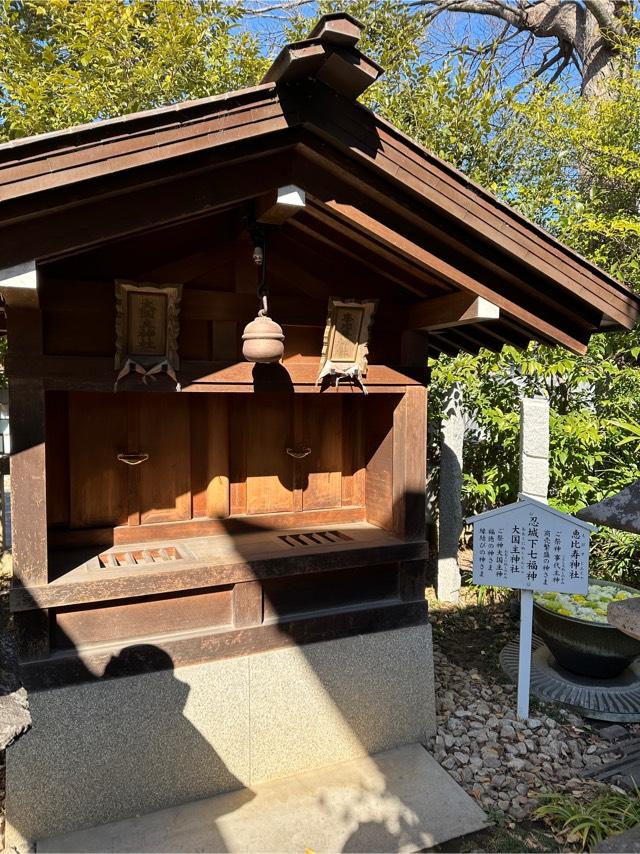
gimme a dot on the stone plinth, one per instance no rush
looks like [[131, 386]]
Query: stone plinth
[[15, 718], [112, 749]]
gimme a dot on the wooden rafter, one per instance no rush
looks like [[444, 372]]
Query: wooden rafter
[[487, 221], [452, 310], [147, 207], [278, 205], [326, 226], [410, 249], [344, 244], [450, 239]]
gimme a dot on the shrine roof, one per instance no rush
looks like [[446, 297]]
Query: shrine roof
[[302, 125]]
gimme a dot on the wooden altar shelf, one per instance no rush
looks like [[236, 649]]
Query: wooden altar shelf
[[96, 374], [219, 560]]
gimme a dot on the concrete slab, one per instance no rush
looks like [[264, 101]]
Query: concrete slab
[[400, 800]]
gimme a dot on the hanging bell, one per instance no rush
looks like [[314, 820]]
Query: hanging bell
[[262, 340]]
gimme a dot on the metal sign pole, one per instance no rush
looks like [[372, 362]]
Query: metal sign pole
[[524, 653]]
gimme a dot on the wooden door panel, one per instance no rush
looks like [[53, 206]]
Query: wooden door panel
[[268, 432], [353, 461], [322, 469], [210, 455], [98, 481], [165, 478], [379, 454]]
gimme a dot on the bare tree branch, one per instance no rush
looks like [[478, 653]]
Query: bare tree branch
[[286, 6], [587, 33]]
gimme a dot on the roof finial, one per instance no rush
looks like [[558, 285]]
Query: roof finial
[[329, 55]]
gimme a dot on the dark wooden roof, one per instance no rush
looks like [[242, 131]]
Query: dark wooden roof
[[373, 194]]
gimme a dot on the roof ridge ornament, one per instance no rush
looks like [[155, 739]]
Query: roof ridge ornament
[[329, 54]]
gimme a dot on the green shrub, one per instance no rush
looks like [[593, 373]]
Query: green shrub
[[615, 556], [588, 822]]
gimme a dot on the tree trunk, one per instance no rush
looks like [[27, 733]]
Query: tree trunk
[[586, 35]]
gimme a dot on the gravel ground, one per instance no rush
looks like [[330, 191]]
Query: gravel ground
[[502, 762]]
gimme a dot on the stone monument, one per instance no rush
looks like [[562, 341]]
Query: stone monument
[[450, 520]]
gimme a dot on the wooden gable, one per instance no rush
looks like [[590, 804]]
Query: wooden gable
[[376, 200]]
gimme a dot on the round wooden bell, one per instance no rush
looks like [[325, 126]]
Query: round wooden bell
[[263, 340]]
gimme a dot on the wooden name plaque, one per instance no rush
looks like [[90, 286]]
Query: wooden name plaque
[[147, 323], [346, 335]]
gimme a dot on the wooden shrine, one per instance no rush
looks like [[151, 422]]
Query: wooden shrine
[[216, 506]]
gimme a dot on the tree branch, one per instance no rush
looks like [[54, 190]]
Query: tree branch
[[286, 6], [495, 8], [604, 15]]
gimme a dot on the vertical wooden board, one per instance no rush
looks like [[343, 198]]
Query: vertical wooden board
[[322, 469], [247, 604], [269, 468], [98, 481], [400, 415], [353, 462], [238, 415], [165, 480], [195, 339], [409, 464], [57, 457], [198, 421], [224, 340], [217, 456], [133, 447], [299, 466], [302, 344], [379, 495]]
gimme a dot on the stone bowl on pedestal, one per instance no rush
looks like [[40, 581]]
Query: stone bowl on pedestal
[[590, 649]]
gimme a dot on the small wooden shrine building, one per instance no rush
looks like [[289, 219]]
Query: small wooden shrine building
[[218, 566]]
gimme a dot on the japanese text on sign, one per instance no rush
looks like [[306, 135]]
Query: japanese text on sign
[[532, 547]]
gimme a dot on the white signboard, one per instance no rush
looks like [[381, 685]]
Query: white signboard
[[530, 546]]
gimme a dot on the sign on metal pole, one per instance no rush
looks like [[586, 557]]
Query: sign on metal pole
[[530, 546]]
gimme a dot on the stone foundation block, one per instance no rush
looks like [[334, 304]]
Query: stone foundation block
[[112, 749]]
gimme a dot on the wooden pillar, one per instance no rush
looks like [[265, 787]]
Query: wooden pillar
[[28, 482], [27, 467], [410, 464]]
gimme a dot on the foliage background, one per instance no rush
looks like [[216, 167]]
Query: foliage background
[[572, 166]]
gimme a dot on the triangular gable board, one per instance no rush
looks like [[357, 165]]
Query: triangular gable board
[[526, 499], [528, 545]]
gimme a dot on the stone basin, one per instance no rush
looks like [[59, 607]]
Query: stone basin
[[597, 650]]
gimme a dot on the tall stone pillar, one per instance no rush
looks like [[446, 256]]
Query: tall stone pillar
[[450, 519], [534, 447]]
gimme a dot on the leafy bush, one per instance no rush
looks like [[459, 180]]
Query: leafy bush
[[615, 555], [589, 822]]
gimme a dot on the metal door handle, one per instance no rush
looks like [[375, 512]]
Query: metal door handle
[[133, 459], [299, 455]]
